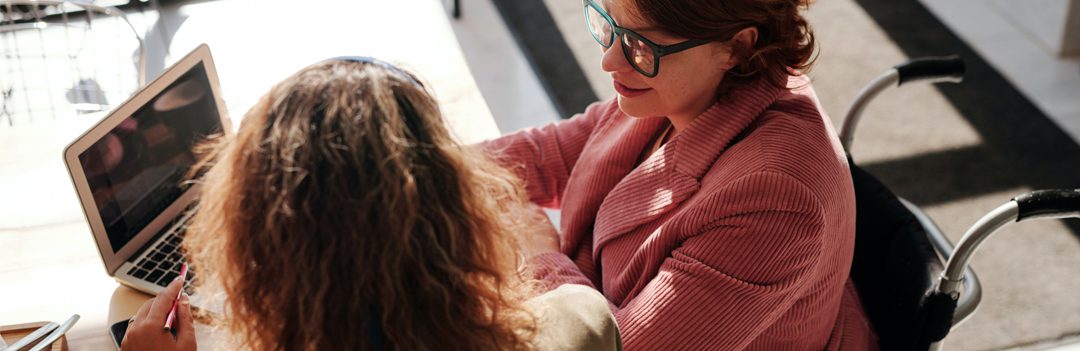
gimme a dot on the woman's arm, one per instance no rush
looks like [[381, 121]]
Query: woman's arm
[[543, 157], [693, 303], [728, 282]]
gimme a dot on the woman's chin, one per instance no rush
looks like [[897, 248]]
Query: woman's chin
[[637, 107]]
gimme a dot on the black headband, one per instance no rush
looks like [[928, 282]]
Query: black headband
[[384, 64]]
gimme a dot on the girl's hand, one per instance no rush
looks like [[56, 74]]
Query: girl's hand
[[146, 329]]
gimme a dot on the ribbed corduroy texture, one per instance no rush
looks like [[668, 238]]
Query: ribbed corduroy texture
[[736, 234]]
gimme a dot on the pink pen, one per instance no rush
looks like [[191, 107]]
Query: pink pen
[[172, 310]]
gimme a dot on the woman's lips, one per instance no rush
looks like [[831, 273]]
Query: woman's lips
[[629, 92]]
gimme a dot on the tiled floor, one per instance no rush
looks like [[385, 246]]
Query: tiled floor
[[1009, 35], [506, 80]]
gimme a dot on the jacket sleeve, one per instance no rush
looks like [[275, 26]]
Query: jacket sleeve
[[731, 278], [543, 157], [574, 317]]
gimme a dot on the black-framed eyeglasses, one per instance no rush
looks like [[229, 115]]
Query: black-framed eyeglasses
[[643, 54]]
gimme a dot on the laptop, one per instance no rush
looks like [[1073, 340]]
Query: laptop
[[130, 171]]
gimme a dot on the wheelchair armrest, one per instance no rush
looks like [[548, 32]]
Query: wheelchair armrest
[[972, 295]]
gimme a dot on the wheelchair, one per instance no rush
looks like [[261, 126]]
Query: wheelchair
[[914, 284]]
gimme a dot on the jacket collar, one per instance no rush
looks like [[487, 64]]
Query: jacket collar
[[673, 173], [714, 130]]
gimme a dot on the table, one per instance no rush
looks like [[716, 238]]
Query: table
[[49, 265]]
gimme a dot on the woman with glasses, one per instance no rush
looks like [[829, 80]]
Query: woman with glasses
[[710, 201], [344, 216]]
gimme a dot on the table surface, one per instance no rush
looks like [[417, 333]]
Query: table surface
[[49, 265]]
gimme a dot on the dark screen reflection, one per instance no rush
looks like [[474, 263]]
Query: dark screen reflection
[[137, 169]]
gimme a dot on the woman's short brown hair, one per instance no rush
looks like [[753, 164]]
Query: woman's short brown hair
[[785, 41]]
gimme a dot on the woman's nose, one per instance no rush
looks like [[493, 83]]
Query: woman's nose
[[613, 59]]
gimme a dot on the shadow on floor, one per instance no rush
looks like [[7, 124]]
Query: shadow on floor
[[534, 29], [1021, 146]]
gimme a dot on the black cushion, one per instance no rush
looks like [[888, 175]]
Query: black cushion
[[894, 265]]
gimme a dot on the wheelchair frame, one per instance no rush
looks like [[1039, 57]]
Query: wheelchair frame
[[958, 284]]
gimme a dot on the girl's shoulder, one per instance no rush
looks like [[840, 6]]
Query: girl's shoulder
[[574, 317]]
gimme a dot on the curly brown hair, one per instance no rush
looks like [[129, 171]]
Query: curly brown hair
[[343, 215], [785, 41]]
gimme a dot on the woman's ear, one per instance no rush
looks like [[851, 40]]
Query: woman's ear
[[746, 37], [743, 40]]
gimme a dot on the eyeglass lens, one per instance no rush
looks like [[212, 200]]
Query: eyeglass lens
[[638, 53]]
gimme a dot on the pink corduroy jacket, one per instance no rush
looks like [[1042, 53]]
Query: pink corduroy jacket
[[736, 234]]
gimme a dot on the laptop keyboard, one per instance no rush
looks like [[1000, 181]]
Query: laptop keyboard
[[160, 264]]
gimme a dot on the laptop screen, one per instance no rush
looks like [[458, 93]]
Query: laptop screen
[[138, 169]]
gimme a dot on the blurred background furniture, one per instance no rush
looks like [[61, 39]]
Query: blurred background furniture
[[66, 58]]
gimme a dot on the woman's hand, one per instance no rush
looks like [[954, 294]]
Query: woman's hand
[[146, 329], [543, 237]]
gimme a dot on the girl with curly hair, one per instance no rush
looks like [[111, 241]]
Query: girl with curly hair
[[344, 216]]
